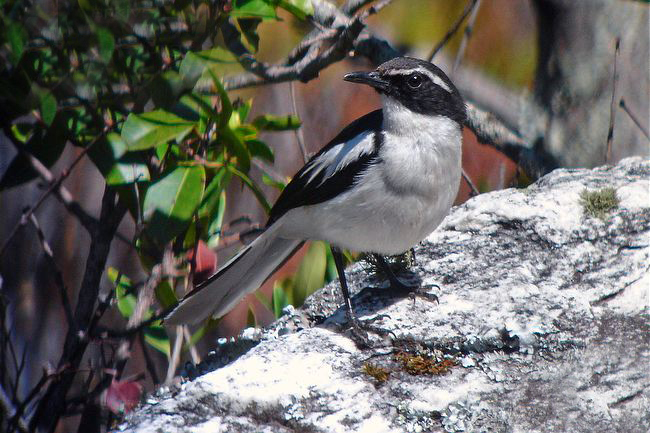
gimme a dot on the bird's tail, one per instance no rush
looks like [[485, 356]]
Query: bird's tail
[[243, 274]]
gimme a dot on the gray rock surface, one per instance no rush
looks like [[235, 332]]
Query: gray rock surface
[[543, 309]]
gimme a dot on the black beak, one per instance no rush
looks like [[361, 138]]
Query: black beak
[[370, 78]]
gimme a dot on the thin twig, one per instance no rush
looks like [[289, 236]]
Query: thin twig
[[57, 189], [32, 394], [103, 333], [193, 352], [612, 110], [175, 355], [298, 131], [351, 7], [269, 171], [19, 372], [151, 367], [634, 118], [312, 60], [374, 9], [454, 28], [466, 35], [473, 191], [52, 405], [9, 411], [58, 276]]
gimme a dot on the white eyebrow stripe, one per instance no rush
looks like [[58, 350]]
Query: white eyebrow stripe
[[436, 79]]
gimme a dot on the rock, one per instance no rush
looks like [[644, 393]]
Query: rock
[[543, 325]]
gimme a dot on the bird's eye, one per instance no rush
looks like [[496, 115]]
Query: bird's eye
[[414, 81]]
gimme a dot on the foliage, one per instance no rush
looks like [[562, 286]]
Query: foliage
[[316, 269], [137, 87]]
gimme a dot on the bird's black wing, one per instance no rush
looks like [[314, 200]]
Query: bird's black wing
[[313, 184]]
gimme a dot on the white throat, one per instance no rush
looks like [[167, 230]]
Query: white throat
[[422, 152], [434, 129]]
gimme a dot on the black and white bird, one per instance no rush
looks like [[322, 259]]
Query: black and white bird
[[383, 184]]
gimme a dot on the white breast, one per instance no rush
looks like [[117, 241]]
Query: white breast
[[399, 200]]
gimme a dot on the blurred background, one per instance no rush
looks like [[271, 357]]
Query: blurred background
[[545, 68]]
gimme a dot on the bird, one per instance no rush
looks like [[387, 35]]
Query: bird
[[382, 185]]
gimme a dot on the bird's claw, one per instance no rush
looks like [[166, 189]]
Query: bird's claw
[[360, 328]]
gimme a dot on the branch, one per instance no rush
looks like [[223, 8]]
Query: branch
[[497, 130], [9, 411], [466, 35], [58, 276], [151, 367], [473, 190], [298, 131], [52, 406], [634, 118], [612, 109], [351, 7], [55, 187], [489, 129], [304, 69], [452, 31]]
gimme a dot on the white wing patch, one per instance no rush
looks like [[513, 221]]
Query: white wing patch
[[341, 155], [435, 78]]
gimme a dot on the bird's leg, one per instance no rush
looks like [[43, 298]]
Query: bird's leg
[[340, 269], [358, 333], [396, 284]]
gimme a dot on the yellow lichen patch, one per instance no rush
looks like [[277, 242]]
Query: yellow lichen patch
[[380, 374], [418, 364]]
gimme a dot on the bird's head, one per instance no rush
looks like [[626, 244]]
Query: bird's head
[[417, 85]]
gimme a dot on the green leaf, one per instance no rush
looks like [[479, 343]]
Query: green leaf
[[243, 108], [236, 147], [311, 273], [116, 165], [17, 38], [171, 202], [280, 298], [194, 63], [156, 337], [126, 300], [165, 294], [250, 318], [253, 187], [331, 273], [248, 31], [253, 9], [269, 122], [213, 192], [226, 105], [44, 144], [47, 107], [147, 130], [106, 43], [301, 9], [260, 149], [209, 326], [233, 141], [214, 229], [165, 89], [268, 303], [268, 180]]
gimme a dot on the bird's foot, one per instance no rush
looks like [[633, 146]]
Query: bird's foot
[[360, 329], [399, 289]]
